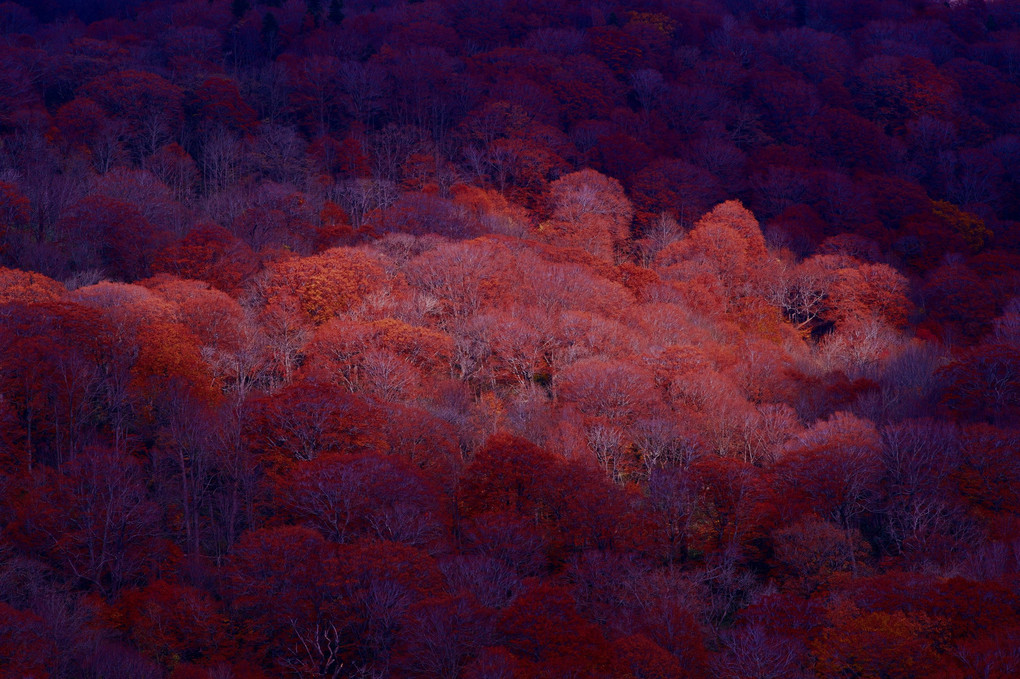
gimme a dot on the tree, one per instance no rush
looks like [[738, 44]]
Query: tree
[[217, 101], [423, 440], [89, 130], [213, 316], [15, 212], [839, 289], [26, 287], [646, 659], [870, 289], [308, 419], [844, 135], [363, 85], [590, 211], [98, 521], [814, 554], [674, 187], [733, 517], [284, 582], [891, 90], [544, 631], [873, 644], [965, 225], [987, 473], [183, 459], [421, 214], [381, 357], [172, 623], [315, 93], [25, 648], [110, 235], [351, 497], [55, 367], [175, 167], [129, 386], [858, 348], [208, 253], [617, 391], [441, 635], [327, 284], [835, 467], [958, 301], [610, 396], [504, 477], [755, 650], [728, 243], [923, 513], [169, 359], [802, 291], [151, 107], [466, 276]]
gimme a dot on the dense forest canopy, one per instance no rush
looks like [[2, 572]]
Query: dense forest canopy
[[637, 339]]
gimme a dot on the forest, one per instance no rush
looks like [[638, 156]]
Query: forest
[[510, 339]]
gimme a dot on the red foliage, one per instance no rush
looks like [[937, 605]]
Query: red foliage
[[218, 101], [25, 649], [589, 211], [326, 284], [350, 497], [151, 106], [544, 632], [433, 339], [172, 623], [108, 234], [307, 419], [209, 253]]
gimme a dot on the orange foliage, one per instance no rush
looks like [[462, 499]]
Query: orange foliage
[[876, 645], [967, 226], [169, 352], [590, 211], [452, 354], [870, 289], [26, 287], [491, 209], [727, 245], [384, 357], [328, 284], [211, 315]]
